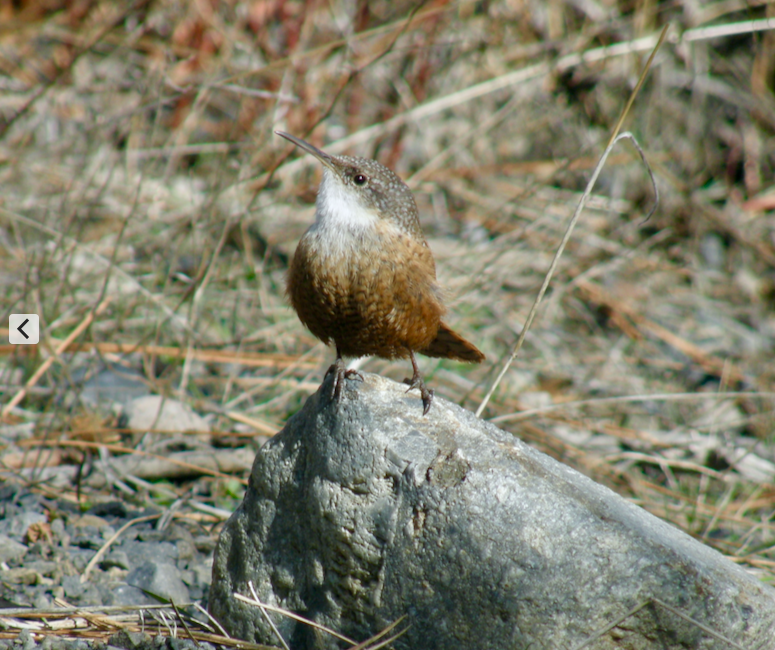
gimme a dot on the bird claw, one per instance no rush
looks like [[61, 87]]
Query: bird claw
[[341, 372], [425, 393]]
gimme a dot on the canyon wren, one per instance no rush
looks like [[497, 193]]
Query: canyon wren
[[363, 277]]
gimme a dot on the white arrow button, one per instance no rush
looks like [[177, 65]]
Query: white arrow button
[[23, 329]]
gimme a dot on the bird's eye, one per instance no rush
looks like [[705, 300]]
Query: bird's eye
[[359, 179]]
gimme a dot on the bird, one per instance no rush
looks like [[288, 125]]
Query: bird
[[363, 277]]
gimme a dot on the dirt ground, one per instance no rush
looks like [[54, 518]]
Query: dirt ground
[[148, 214]]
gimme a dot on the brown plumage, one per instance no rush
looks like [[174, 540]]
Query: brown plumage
[[363, 277]]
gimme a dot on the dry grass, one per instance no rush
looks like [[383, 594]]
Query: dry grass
[[102, 624], [140, 175]]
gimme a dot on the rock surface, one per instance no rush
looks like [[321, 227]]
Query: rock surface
[[162, 414], [363, 511]]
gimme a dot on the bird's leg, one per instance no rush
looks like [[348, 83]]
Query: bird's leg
[[341, 372], [417, 382]]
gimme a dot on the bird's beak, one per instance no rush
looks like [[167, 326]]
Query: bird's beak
[[322, 156]]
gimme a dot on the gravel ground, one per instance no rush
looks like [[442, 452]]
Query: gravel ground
[[125, 640], [47, 545]]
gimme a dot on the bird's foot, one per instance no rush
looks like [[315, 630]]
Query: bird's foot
[[426, 393], [341, 372]]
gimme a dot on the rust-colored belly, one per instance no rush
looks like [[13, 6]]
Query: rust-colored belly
[[376, 295]]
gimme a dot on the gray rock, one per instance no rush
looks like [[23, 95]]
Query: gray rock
[[26, 640], [17, 525], [10, 549], [138, 553], [160, 579], [111, 386], [53, 642], [130, 640], [41, 567], [361, 512], [73, 587], [124, 594], [116, 558], [162, 414]]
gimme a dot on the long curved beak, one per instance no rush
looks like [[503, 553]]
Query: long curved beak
[[322, 156]]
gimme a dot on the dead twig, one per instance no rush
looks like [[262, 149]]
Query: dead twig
[[108, 543], [615, 137]]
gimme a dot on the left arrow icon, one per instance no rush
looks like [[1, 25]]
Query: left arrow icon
[[23, 329]]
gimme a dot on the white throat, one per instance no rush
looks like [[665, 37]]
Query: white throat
[[340, 208]]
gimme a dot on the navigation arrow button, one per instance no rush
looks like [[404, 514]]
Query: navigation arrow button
[[23, 329]]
